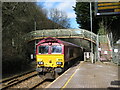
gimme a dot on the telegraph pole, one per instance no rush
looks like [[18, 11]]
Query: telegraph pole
[[35, 30]]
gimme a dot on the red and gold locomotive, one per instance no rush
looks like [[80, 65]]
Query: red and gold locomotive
[[53, 54]]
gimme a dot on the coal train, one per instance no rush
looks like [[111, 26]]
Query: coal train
[[53, 55]]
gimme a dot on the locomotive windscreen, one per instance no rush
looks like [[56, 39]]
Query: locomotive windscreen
[[56, 49], [43, 49]]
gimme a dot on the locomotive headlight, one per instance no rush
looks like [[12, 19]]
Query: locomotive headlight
[[59, 63], [40, 63]]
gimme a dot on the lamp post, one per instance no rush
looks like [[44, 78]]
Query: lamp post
[[91, 29], [91, 25]]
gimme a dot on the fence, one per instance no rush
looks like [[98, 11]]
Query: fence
[[116, 54]]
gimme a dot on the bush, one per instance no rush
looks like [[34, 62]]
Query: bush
[[13, 64]]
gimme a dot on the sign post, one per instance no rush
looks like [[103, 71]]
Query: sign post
[[107, 8]]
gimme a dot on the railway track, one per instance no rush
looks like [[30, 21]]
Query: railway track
[[42, 84], [4, 84], [15, 76], [29, 80], [46, 82], [13, 82]]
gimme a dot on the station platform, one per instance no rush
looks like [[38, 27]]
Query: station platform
[[88, 75]]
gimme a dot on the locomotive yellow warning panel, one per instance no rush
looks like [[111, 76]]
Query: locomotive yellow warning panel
[[50, 60]]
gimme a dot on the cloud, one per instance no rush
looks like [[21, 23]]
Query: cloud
[[62, 5], [48, 5], [67, 7], [71, 15], [55, 0]]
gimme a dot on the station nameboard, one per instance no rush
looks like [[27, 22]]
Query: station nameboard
[[107, 8]]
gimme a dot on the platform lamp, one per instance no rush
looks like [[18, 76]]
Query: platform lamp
[[91, 28]]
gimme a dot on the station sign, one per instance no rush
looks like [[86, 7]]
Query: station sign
[[107, 8], [115, 50]]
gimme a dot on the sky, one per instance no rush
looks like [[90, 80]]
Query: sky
[[62, 5]]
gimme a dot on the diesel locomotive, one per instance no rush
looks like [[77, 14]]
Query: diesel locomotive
[[53, 55]]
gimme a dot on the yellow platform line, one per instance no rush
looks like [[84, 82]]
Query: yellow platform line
[[57, 78], [71, 77]]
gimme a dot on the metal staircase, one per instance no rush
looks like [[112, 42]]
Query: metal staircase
[[105, 52]]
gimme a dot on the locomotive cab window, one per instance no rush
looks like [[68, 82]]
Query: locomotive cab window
[[56, 49], [43, 49]]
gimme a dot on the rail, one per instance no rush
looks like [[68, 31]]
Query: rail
[[17, 79]]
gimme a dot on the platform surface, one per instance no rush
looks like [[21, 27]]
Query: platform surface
[[88, 75]]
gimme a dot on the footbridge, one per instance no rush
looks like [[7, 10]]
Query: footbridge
[[80, 37], [61, 33]]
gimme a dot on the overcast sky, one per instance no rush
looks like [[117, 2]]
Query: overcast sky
[[62, 5]]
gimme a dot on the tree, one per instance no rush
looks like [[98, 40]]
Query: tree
[[59, 17], [82, 11], [18, 18], [111, 23]]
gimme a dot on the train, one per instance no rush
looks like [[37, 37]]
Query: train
[[54, 55]]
